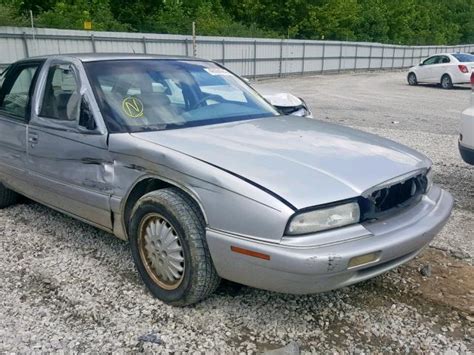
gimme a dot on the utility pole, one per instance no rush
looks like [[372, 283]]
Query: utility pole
[[194, 40], [33, 30]]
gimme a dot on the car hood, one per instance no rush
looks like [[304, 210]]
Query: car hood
[[304, 161]]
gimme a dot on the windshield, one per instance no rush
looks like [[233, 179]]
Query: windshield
[[145, 95], [464, 58]]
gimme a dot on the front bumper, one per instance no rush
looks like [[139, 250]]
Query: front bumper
[[467, 154], [321, 264]]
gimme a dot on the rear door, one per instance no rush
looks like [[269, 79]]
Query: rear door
[[68, 155], [15, 105], [439, 68]]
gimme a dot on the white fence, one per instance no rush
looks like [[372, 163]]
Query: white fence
[[246, 56]]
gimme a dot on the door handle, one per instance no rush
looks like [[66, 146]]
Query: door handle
[[33, 138]]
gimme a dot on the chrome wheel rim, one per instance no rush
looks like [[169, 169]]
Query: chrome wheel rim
[[411, 79], [445, 82], [161, 251]]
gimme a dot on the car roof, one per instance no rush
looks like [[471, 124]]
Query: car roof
[[451, 53], [97, 57]]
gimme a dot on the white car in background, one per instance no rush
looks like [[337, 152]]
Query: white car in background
[[446, 69], [466, 136]]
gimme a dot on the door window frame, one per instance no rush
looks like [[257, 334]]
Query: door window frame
[[11, 77], [442, 58], [85, 91], [432, 57], [64, 124]]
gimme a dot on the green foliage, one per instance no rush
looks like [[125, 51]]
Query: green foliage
[[72, 14], [10, 17], [387, 21]]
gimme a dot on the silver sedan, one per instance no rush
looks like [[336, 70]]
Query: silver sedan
[[207, 180]]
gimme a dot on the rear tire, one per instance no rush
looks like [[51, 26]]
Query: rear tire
[[446, 82], [169, 247], [7, 196], [412, 79]]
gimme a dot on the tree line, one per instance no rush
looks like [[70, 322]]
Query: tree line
[[411, 22]]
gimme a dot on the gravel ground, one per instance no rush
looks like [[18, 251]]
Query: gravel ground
[[67, 286]]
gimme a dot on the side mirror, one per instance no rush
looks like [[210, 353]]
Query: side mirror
[[421, 63], [86, 119]]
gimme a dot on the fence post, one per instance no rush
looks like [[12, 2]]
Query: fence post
[[393, 57], [281, 59], [25, 45], [323, 57], [340, 58], [223, 52], [302, 60], [93, 43], [403, 59], [355, 58], [370, 57], [186, 47], [381, 60], [144, 44], [254, 59]]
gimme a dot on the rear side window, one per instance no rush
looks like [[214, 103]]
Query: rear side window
[[15, 91], [464, 58], [444, 60], [61, 99]]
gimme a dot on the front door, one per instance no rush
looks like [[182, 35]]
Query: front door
[[68, 155], [15, 95], [425, 72]]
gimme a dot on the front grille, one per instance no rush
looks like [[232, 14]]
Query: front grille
[[393, 198]]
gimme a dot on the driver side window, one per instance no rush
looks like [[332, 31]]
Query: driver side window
[[432, 60], [62, 98]]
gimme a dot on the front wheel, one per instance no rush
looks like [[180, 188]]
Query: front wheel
[[168, 243], [412, 79], [446, 82]]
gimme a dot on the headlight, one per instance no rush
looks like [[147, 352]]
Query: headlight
[[324, 218], [429, 180]]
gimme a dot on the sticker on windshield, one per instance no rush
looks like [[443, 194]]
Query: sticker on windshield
[[217, 71], [132, 107]]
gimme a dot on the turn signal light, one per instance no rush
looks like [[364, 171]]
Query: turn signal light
[[248, 252], [363, 259]]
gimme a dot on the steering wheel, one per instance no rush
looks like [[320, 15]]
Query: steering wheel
[[214, 97]]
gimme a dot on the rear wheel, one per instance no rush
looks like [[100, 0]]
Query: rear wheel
[[7, 196], [167, 236], [412, 79], [446, 82]]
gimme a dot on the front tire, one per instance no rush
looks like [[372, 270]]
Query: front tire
[[412, 79], [7, 196], [446, 82], [169, 247]]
